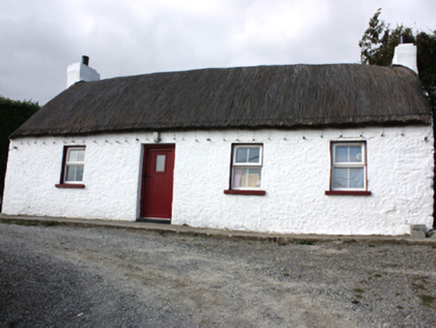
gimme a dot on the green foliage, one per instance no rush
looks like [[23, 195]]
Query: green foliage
[[379, 41], [371, 40], [12, 115], [426, 44], [378, 44]]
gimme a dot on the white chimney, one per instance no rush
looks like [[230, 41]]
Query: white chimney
[[81, 72], [405, 54]]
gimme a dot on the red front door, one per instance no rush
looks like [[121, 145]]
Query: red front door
[[157, 184]]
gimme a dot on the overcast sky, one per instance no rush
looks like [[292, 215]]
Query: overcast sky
[[39, 39]]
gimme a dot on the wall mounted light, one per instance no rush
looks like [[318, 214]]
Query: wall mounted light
[[156, 137]]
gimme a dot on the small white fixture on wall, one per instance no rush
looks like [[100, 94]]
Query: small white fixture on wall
[[156, 137]]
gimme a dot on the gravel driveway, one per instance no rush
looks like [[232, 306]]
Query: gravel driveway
[[103, 277]]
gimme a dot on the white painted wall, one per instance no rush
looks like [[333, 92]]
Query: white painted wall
[[80, 72], [295, 176], [111, 178], [405, 55]]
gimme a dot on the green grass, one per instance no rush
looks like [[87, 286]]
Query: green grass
[[201, 235], [22, 223], [358, 293], [305, 242], [427, 300], [49, 223], [418, 286], [358, 290], [31, 223]]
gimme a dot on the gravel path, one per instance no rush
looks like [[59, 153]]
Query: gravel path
[[73, 277]]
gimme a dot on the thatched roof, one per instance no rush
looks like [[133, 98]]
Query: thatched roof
[[289, 97]]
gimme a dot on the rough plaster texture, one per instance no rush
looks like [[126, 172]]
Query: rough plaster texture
[[295, 175], [111, 178]]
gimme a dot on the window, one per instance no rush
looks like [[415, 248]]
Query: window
[[73, 168], [74, 165], [348, 168], [246, 170]]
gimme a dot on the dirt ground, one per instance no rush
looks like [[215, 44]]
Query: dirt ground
[[103, 277]]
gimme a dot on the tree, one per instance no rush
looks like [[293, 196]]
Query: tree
[[426, 45], [379, 41], [378, 44], [12, 115]]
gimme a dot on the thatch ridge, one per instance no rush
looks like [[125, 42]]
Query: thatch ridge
[[290, 96]]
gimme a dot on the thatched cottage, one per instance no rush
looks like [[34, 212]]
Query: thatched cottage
[[325, 149]]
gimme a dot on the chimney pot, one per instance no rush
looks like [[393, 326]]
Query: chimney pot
[[85, 60], [404, 39]]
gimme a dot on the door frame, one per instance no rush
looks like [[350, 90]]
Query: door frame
[[142, 190]]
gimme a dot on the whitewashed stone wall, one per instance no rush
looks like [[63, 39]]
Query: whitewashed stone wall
[[111, 178], [295, 175]]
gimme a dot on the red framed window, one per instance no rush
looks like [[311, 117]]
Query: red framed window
[[247, 167], [73, 167], [246, 170], [348, 174]]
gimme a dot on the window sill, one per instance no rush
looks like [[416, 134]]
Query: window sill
[[348, 193], [70, 185], [245, 192]]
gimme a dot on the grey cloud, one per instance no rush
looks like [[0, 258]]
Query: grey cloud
[[39, 39]]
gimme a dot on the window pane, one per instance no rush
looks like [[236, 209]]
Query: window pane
[[241, 155], [348, 178], [246, 178], [341, 154], [251, 179], [160, 163], [236, 179], [70, 174], [356, 154], [254, 155], [79, 173], [81, 155], [340, 178], [74, 173], [76, 155], [356, 178]]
